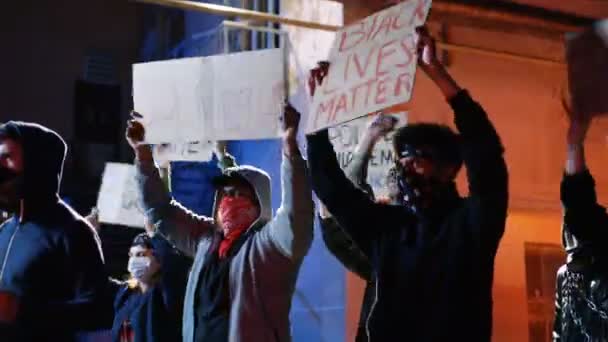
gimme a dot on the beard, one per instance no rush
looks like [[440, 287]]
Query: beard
[[11, 187]]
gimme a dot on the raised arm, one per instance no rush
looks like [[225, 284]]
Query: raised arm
[[174, 276], [482, 150], [354, 211], [584, 218], [376, 130], [291, 229], [338, 242], [179, 225]]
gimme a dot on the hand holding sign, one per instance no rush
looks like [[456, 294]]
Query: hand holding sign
[[291, 121], [136, 136], [426, 50], [317, 75], [381, 126], [373, 65]]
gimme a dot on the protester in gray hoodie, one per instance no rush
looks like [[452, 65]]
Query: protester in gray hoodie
[[246, 261]]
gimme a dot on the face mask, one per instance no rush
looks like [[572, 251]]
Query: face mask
[[414, 189], [143, 268], [236, 213], [10, 189]]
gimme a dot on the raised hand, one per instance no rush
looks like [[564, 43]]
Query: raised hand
[[381, 126], [317, 75], [579, 124], [426, 50], [291, 122], [135, 135]]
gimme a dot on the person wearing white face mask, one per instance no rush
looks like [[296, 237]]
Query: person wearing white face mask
[[148, 306]]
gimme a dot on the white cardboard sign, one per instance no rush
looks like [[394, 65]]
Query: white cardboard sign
[[118, 200], [197, 151], [373, 64], [225, 97], [345, 138]]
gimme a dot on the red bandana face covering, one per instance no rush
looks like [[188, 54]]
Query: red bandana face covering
[[235, 214]]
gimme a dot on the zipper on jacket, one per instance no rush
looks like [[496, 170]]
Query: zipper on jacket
[[8, 250], [10, 242], [371, 311]]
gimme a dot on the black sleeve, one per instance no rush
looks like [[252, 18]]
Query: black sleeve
[[344, 249], [487, 174], [174, 276], [583, 216], [557, 320], [91, 304], [356, 213]]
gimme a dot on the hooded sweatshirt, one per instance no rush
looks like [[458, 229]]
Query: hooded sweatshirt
[[50, 258], [154, 316], [433, 269], [582, 284], [263, 272]]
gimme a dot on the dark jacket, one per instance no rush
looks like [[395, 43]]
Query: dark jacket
[[582, 283], [342, 246], [155, 316], [433, 271], [50, 257]]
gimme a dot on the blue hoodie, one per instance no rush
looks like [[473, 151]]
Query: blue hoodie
[[155, 316], [50, 258]]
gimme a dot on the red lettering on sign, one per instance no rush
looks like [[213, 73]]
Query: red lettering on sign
[[400, 15], [354, 94], [408, 46], [385, 51], [372, 28], [362, 71], [325, 108], [381, 92], [385, 26], [404, 82], [350, 39], [419, 12], [369, 90], [340, 107]]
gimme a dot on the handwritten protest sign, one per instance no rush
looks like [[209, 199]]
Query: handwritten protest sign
[[192, 151], [345, 138], [587, 55], [169, 94], [224, 97], [248, 95], [373, 64], [118, 200], [307, 47]]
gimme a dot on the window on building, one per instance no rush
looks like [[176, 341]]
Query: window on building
[[542, 262]]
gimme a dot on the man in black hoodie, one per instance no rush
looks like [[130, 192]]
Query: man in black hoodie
[[52, 277], [582, 283], [433, 256]]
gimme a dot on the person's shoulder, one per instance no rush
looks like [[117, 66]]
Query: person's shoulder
[[74, 227]]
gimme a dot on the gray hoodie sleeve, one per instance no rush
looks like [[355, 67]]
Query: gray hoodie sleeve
[[291, 229], [180, 226]]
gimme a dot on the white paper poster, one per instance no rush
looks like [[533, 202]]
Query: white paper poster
[[345, 138], [307, 47], [118, 200], [373, 64], [224, 97], [197, 151]]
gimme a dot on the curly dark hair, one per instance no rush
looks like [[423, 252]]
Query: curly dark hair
[[444, 142], [143, 240]]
